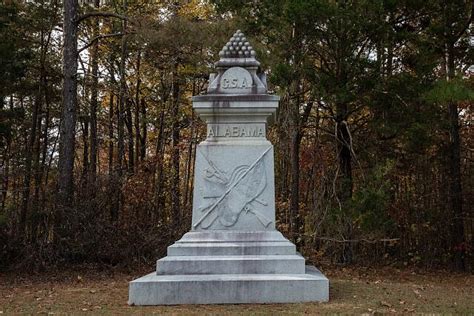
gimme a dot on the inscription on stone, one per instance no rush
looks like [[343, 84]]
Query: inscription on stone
[[236, 80], [235, 130]]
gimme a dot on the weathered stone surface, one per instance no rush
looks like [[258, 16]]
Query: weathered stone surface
[[233, 264], [233, 253], [154, 289], [234, 187], [212, 236], [237, 53], [231, 249], [236, 80], [237, 47], [237, 243]]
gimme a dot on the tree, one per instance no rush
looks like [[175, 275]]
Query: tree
[[94, 98], [67, 130], [371, 140], [450, 29]]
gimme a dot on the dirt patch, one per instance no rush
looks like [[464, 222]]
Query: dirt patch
[[356, 290]]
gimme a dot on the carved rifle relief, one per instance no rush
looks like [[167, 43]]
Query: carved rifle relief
[[229, 196]]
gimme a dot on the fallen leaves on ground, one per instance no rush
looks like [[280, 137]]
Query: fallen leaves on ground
[[353, 290]]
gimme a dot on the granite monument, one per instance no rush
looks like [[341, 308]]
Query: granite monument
[[233, 253]]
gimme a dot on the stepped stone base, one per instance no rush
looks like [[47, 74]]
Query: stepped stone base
[[154, 289], [230, 267]]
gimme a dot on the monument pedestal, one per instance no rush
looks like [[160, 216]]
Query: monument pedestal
[[230, 267], [153, 289], [233, 254]]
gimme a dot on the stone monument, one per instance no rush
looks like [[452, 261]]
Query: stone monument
[[233, 253]]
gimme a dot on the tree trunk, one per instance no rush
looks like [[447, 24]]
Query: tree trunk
[[129, 124], [29, 148], [122, 100], [32, 146], [67, 130], [189, 162], [298, 122], [295, 219], [110, 126], [111, 134], [6, 175], [85, 149], [117, 181], [83, 119], [37, 167], [457, 225], [175, 155], [6, 155], [94, 102], [44, 151], [159, 202], [345, 162], [113, 170], [137, 111], [344, 194], [144, 130]]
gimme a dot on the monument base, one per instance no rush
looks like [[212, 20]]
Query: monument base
[[230, 267], [154, 289]]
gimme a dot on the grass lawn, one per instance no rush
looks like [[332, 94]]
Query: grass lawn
[[353, 291]]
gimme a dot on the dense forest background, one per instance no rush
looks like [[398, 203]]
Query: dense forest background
[[374, 140]]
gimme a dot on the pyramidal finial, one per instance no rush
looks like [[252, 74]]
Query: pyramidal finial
[[237, 47], [237, 52]]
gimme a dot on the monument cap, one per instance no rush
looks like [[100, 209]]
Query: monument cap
[[237, 69], [237, 52]]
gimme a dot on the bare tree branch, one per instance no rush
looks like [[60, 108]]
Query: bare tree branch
[[466, 25], [100, 14], [95, 39]]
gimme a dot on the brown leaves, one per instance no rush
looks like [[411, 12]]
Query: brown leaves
[[385, 304]]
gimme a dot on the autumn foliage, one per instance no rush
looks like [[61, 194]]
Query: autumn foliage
[[373, 138]]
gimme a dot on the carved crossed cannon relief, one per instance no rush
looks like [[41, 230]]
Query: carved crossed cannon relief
[[230, 196]]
